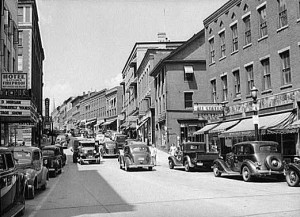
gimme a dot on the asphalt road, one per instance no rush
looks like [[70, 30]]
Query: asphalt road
[[105, 190]]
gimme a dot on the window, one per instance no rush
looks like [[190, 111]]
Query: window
[[212, 50], [250, 79], [223, 48], [237, 83], [225, 88], [234, 38], [247, 30], [266, 74], [282, 13], [9, 161], [188, 73], [27, 14], [262, 22], [298, 9], [20, 59], [20, 38], [188, 100], [20, 15], [285, 68], [214, 91]]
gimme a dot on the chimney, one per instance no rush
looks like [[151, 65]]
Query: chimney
[[162, 37]]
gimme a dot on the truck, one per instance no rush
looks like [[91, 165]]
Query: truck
[[192, 155]]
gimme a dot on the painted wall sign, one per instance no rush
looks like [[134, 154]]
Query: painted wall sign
[[14, 81]]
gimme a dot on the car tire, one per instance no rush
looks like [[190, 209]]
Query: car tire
[[292, 178], [171, 164], [44, 186], [30, 192], [216, 170], [187, 167], [246, 173]]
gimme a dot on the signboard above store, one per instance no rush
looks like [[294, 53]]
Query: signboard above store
[[14, 81], [205, 108]]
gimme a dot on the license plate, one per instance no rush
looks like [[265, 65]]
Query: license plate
[[141, 158]]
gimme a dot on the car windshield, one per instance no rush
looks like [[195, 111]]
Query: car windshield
[[88, 144], [268, 149], [22, 156], [48, 152], [140, 149]]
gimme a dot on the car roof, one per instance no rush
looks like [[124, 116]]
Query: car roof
[[257, 143], [25, 148]]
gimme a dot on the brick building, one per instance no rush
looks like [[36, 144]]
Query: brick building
[[255, 43]]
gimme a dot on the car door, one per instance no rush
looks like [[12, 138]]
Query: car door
[[37, 162], [8, 180], [239, 157]]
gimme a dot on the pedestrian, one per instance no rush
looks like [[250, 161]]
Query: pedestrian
[[153, 154], [173, 150]]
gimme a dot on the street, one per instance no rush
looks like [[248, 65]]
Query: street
[[105, 190]]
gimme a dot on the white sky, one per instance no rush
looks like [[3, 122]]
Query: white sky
[[87, 42]]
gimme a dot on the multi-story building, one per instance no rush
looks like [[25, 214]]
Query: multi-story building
[[145, 97], [255, 43], [113, 108], [129, 75], [180, 79]]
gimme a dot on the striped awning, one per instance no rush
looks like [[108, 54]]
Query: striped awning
[[206, 128]]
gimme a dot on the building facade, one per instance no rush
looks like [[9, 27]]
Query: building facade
[[179, 81], [255, 43]]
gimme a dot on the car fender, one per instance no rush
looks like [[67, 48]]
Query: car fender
[[295, 167], [250, 165], [222, 166], [174, 160], [44, 175], [188, 159]]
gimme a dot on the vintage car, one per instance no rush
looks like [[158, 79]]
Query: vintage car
[[292, 173], [88, 151], [29, 161], [109, 149], [100, 138], [251, 158], [52, 159], [136, 155], [63, 155], [74, 149], [12, 185], [120, 140], [192, 155]]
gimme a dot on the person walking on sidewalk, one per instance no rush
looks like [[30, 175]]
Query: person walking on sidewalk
[[153, 151], [173, 150]]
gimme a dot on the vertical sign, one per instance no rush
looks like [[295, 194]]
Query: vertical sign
[[47, 101]]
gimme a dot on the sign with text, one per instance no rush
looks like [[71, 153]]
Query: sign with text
[[208, 108], [12, 107], [47, 102], [15, 93], [14, 81]]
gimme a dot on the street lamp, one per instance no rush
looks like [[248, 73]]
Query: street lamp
[[254, 91]]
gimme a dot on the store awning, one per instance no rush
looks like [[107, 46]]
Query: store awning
[[246, 126], [224, 126], [108, 122], [289, 125], [206, 128], [91, 122]]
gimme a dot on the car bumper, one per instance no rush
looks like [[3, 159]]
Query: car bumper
[[140, 165], [267, 172]]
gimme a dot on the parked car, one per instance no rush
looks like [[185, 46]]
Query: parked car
[[63, 155], [192, 155], [88, 151], [109, 149], [135, 155], [251, 158], [130, 141], [120, 140], [74, 149], [292, 173], [30, 162], [52, 159], [12, 183]]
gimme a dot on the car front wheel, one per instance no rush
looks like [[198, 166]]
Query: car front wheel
[[292, 178], [246, 174], [171, 164], [216, 170], [187, 167]]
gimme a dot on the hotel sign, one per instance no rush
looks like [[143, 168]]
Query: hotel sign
[[14, 81]]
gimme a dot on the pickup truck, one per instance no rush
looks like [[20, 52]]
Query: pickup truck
[[192, 155]]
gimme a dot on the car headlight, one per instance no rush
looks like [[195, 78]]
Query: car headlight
[[46, 162]]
